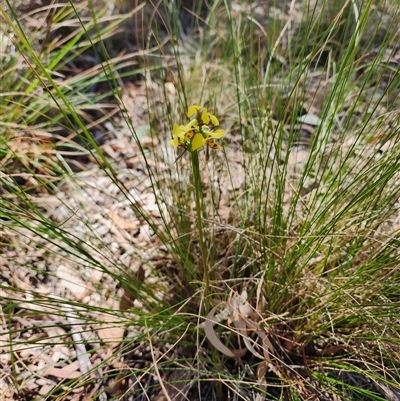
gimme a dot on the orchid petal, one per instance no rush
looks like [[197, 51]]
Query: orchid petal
[[219, 133], [198, 141], [189, 135], [174, 142], [193, 110], [214, 120], [205, 117], [192, 125], [176, 129], [213, 145]]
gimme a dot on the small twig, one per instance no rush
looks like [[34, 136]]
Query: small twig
[[81, 353]]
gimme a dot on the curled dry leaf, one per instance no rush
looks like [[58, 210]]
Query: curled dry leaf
[[266, 343], [240, 313], [213, 338], [241, 325]]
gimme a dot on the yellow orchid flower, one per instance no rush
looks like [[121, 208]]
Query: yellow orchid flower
[[207, 138], [202, 115], [177, 135], [219, 133], [181, 134], [199, 132]]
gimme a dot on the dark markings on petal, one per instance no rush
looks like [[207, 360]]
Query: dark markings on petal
[[189, 135], [212, 144]]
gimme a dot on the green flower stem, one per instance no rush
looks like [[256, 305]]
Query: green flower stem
[[199, 195]]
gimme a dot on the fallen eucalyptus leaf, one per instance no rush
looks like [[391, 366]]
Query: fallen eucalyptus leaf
[[213, 338]]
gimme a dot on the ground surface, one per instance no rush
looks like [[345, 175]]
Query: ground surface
[[54, 342]]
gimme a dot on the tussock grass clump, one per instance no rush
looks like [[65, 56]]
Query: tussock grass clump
[[268, 269]]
